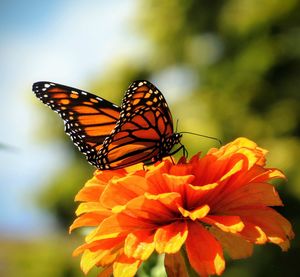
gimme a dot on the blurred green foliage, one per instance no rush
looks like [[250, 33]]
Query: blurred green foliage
[[240, 66], [59, 196], [38, 257]]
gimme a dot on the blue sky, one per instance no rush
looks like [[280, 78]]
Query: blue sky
[[63, 41]]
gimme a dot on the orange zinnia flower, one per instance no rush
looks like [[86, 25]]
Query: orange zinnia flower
[[203, 206]]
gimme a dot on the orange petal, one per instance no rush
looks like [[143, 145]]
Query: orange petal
[[180, 169], [106, 175], [275, 226], [285, 245], [256, 174], [175, 266], [204, 251], [244, 146], [107, 244], [199, 194], [267, 174], [87, 220], [243, 177], [90, 259], [254, 156], [89, 194], [119, 223], [242, 142], [177, 183], [155, 208], [235, 246], [120, 191], [89, 207], [154, 177], [251, 194], [195, 214], [210, 169], [232, 224], [170, 238], [94, 182], [139, 245], [238, 163], [182, 160], [206, 170], [253, 233], [106, 272], [125, 266], [275, 173]]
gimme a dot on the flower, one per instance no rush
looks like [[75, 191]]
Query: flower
[[206, 205]]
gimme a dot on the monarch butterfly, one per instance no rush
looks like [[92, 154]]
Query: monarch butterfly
[[113, 137]]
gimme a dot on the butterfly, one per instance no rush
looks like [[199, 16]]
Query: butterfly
[[113, 137]]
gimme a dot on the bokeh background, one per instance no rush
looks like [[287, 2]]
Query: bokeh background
[[227, 69]]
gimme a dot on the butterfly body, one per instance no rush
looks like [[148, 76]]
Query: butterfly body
[[113, 137]]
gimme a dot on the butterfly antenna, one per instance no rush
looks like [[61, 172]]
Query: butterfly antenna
[[176, 125], [204, 136]]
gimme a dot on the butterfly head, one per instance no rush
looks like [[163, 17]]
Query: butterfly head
[[172, 140], [176, 137]]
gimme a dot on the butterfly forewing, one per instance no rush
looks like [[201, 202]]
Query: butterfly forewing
[[88, 119]]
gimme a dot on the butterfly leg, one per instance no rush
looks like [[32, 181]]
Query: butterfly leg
[[184, 151], [173, 162]]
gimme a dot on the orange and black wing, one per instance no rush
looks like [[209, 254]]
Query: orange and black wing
[[141, 94], [140, 134], [88, 119]]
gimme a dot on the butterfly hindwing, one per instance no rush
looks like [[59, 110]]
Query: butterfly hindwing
[[140, 133], [142, 94], [88, 119]]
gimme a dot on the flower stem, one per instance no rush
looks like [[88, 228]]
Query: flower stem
[[191, 272]]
